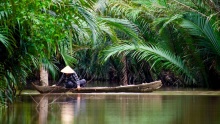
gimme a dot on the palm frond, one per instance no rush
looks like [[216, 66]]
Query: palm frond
[[4, 14], [107, 30], [155, 55], [68, 59], [166, 21], [202, 27], [123, 25], [5, 41], [50, 65], [86, 16], [3, 85]]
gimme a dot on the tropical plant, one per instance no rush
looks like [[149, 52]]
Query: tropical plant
[[40, 34], [156, 56], [196, 48]]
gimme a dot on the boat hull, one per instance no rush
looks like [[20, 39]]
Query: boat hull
[[141, 88]]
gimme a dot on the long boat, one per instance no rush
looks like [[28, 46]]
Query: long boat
[[139, 88]]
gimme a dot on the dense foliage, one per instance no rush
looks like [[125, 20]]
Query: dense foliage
[[127, 41], [179, 37]]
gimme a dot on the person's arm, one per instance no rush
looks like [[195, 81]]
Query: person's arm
[[61, 79], [75, 76]]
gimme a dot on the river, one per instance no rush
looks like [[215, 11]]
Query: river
[[159, 107]]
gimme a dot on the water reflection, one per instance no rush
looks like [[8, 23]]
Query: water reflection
[[67, 114], [70, 109], [113, 108], [43, 110], [66, 107]]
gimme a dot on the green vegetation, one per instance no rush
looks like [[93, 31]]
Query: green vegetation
[[124, 41]]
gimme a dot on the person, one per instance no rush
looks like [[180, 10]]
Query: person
[[70, 79]]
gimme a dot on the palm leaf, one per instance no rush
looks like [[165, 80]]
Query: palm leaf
[[202, 27], [4, 40], [68, 59], [85, 16], [166, 21], [155, 55], [123, 25], [4, 14]]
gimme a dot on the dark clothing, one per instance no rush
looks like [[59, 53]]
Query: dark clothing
[[71, 81], [70, 84]]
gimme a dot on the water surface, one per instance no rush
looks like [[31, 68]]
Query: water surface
[[161, 107]]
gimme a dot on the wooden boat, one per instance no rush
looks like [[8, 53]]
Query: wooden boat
[[139, 88]]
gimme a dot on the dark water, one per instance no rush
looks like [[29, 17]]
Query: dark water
[[113, 109]]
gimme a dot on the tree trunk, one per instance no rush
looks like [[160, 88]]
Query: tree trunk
[[124, 70], [43, 76]]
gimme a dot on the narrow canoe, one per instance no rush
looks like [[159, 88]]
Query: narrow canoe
[[139, 88]]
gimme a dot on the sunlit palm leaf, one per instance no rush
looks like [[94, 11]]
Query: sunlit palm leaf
[[155, 55], [123, 25], [83, 14]]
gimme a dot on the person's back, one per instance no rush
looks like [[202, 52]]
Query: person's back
[[71, 79]]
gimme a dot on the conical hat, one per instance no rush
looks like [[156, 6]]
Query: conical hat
[[68, 69]]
